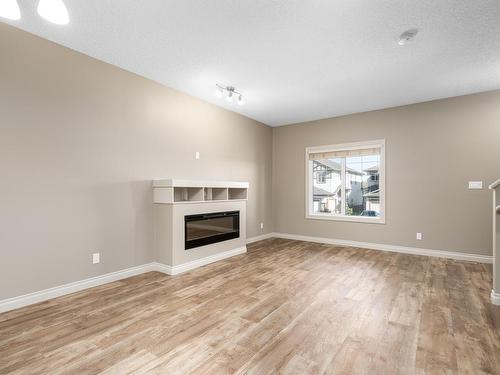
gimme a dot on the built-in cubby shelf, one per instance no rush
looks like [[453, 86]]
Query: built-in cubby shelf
[[216, 194], [237, 193], [172, 191], [187, 194]]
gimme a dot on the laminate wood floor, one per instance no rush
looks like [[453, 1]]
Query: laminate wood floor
[[286, 307]]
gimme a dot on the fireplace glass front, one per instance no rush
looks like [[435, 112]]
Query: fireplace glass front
[[205, 229]]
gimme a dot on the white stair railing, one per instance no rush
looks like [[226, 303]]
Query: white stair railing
[[495, 292]]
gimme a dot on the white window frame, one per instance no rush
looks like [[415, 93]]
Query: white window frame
[[344, 147]]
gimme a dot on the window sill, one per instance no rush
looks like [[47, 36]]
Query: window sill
[[352, 219]]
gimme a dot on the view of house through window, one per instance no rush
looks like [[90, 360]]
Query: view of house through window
[[362, 189], [327, 195], [345, 182]]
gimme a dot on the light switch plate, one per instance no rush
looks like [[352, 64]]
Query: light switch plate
[[96, 258], [475, 185], [419, 236]]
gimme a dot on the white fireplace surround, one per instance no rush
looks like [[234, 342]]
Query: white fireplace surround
[[174, 199]]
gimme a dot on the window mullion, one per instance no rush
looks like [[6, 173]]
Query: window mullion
[[343, 182]]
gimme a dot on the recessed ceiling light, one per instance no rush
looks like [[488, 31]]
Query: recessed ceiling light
[[407, 37], [53, 11], [10, 9]]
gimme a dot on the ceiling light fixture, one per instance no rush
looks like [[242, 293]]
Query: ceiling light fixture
[[10, 9], [53, 11], [407, 37], [230, 92], [229, 96]]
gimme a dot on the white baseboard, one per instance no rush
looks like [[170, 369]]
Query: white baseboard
[[43, 295], [391, 248], [495, 298], [261, 237], [46, 294], [175, 270], [58, 291]]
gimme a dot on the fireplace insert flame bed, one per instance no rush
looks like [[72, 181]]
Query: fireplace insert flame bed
[[206, 229]]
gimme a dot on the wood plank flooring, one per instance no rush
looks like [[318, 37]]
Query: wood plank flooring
[[286, 307]]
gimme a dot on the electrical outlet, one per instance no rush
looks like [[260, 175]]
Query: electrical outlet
[[197, 155], [261, 225], [419, 236], [96, 258]]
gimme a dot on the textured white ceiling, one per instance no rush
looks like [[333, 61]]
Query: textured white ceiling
[[294, 60]]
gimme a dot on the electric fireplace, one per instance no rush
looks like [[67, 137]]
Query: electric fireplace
[[205, 229]]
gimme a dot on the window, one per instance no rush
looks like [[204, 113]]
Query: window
[[346, 182], [321, 177]]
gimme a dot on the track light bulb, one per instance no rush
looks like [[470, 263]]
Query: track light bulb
[[229, 97], [10, 9], [240, 100], [54, 11]]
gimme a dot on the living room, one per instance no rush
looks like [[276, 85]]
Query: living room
[[249, 187]]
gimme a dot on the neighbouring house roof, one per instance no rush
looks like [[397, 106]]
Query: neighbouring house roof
[[325, 193], [372, 194], [373, 169], [330, 164], [322, 192], [337, 167]]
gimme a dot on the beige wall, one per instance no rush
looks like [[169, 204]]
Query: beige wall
[[432, 150], [80, 142]]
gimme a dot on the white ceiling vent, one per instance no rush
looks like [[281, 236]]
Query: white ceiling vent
[[407, 37]]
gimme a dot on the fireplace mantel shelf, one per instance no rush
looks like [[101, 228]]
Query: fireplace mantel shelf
[[163, 183], [176, 191], [203, 201]]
